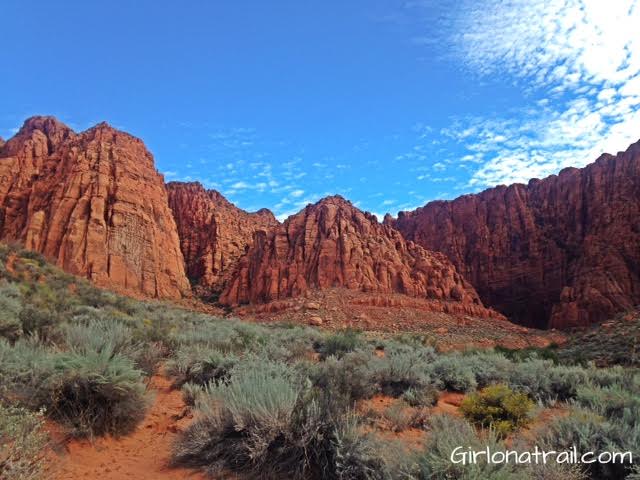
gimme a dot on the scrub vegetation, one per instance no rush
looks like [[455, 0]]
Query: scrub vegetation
[[287, 401]]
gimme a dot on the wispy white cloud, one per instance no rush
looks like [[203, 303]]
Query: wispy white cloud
[[578, 63]]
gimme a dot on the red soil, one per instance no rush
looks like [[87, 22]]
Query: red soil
[[142, 455]]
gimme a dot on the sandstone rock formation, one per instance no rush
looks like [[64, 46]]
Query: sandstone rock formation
[[213, 233], [558, 252], [333, 244], [92, 202]]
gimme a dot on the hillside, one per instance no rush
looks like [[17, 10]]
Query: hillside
[[96, 385]]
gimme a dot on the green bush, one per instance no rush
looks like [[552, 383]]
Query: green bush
[[611, 402], [447, 434], [399, 416], [268, 423], [191, 393], [453, 373], [200, 364], [22, 443], [590, 432], [94, 393], [10, 306], [290, 343], [404, 368], [25, 366], [340, 343], [349, 378], [497, 407], [488, 367], [425, 396], [532, 377]]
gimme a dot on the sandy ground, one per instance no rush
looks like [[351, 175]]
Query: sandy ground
[[142, 455]]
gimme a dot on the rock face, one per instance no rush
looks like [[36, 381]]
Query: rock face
[[333, 244], [94, 203], [558, 252], [213, 233]]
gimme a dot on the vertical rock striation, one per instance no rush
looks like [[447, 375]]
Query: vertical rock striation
[[92, 202], [333, 244], [213, 233], [559, 252]]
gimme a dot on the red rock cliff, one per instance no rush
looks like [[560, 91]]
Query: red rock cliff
[[333, 244], [94, 203], [558, 252], [213, 232]]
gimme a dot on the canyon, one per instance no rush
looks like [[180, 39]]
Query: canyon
[[555, 253]]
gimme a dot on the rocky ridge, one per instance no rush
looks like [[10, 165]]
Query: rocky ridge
[[332, 244], [213, 233], [559, 252], [93, 203]]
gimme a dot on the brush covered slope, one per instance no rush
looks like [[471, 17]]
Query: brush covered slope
[[93, 202], [238, 399], [559, 252], [213, 233], [333, 244]]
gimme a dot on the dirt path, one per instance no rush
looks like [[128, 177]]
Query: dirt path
[[142, 455]]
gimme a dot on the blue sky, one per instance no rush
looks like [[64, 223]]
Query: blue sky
[[389, 103]]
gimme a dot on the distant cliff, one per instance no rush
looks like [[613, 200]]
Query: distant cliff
[[213, 233], [333, 244], [558, 252]]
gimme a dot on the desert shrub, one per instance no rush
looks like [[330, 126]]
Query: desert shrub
[[94, 393], [200, 364], [99, 336], [352, 377], [352, 455], [191, 393], [399, 416], [564, 381], [226, 336], [497, 407], [290, 344], [611, 402], [532, 377], [453, 373], [24, 368], [530, 353], [415, 339], [149, 356], [425, 396], [447, 434], [607, 377], [10, 306], [240, 421], [488, 367], [268, 423], [112, 336], [38, 320], [590, 432], [22, 442], [404, 368], [340, 343]]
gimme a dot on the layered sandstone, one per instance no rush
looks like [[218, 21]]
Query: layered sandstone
[[213, 233], [92, 202], [333, 244], [558, 252]]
